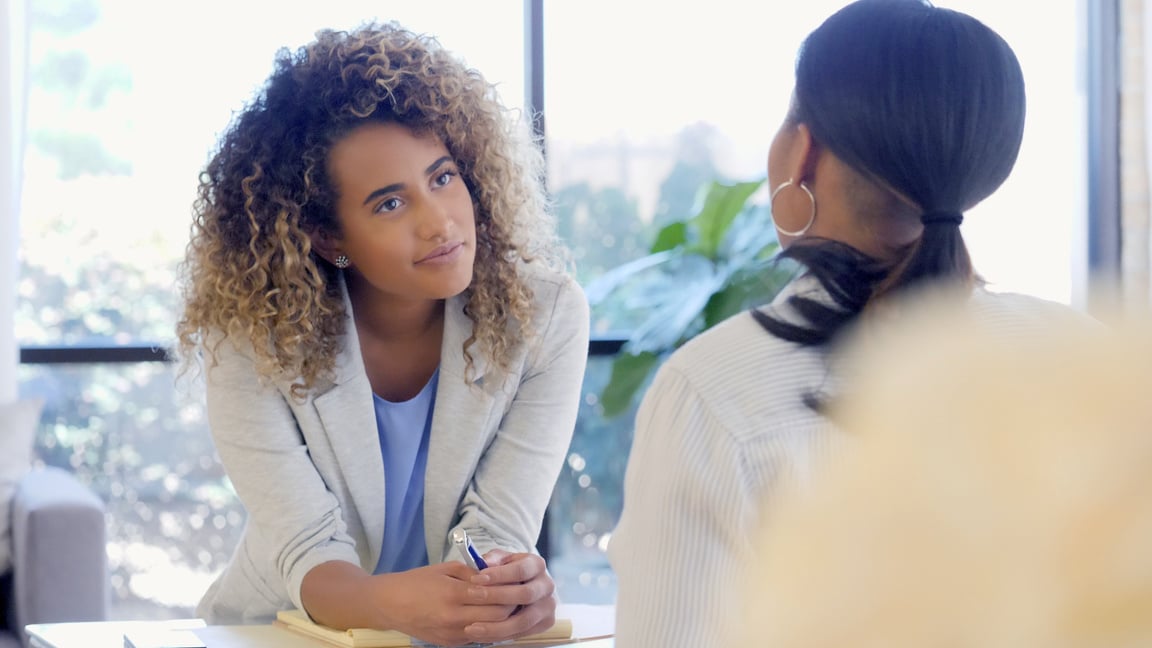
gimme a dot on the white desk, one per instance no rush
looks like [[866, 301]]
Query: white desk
[[587, 621]]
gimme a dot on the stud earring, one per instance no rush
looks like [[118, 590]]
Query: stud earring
[[342, 261]]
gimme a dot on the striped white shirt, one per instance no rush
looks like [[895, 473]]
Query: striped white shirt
[[723, 428]]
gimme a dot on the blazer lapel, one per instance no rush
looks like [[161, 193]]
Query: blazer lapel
[[458, 417], [457, 330], [348, 415]]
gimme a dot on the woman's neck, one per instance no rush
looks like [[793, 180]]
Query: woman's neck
[[860, 213], [400, 341], [394, 319]]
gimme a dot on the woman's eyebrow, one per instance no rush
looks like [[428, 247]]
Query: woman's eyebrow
[[383, 190], [437, 164], [400, 185]]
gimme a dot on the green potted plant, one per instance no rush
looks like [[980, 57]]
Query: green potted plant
[[699, 271]]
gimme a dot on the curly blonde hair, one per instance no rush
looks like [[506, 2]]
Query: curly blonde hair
[[250, 272]]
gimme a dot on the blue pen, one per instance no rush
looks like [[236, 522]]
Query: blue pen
[[467, 551]]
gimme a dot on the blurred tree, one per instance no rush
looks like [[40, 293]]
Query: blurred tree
[[142, 444], [79, 154], [63, 17], [81, 89], [602, 226], [695, 166]]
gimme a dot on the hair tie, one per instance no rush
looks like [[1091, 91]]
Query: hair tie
[[932, 217]]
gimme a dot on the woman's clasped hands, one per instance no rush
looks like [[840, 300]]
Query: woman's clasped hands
[[451, 604]]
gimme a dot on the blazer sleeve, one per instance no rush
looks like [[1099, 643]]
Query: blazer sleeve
[[290, 509], [503, 505]]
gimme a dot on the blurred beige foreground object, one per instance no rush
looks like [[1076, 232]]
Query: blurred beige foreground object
[[998, 493]]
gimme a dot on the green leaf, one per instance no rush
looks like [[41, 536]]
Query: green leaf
[[629, 373], [604, 285], [751, 236], [673, 305], [749, 286], [670, 236], [722, 204], [724, 304]]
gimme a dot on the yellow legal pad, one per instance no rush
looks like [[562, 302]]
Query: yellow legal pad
[[297, 621]]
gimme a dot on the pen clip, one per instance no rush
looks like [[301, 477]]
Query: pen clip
[[480, 564], [467, 551]]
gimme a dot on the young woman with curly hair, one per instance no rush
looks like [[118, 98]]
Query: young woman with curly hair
[[392, 348]]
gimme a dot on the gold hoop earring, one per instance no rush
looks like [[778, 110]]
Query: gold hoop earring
[[811, 217]]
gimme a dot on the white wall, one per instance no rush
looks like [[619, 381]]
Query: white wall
[[13, 75]]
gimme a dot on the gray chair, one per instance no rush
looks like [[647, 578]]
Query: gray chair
[[59, 561]]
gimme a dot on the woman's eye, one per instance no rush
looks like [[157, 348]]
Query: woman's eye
[[388, 205], [444, 178]]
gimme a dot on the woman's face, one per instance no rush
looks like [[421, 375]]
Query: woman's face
[[407, 220]]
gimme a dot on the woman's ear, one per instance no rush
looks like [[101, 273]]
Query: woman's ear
[[803, 153], [326, 244]]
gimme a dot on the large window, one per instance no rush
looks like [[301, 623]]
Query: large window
[[645, 102]]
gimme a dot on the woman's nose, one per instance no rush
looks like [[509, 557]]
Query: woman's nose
[[435, 220]]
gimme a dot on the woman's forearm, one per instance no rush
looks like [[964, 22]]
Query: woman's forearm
[[337, 594]]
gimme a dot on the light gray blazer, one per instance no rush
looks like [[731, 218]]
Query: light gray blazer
[[310, 473]]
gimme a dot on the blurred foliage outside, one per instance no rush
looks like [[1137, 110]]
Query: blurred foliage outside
[[700, 270]]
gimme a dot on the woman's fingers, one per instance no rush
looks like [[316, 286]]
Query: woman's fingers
[[530, 619], [514, 594], [505, 568]]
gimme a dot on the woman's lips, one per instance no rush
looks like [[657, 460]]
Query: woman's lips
[[446, 253]]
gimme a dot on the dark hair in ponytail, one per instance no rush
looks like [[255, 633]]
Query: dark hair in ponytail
[[925, 101]]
